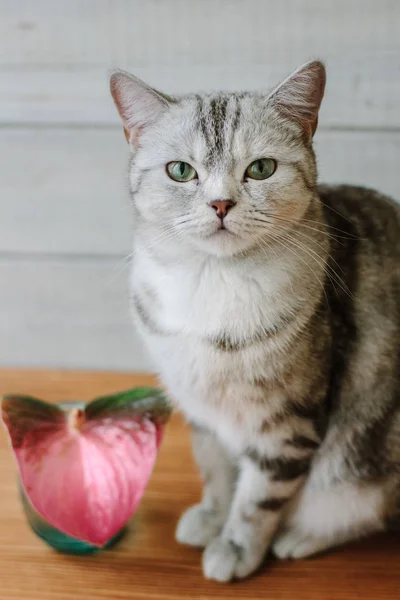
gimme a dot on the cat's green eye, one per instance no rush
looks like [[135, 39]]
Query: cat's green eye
[[181, 171], [262, 168]]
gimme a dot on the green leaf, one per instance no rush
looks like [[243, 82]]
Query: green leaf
[[24, 414], [136, 402]]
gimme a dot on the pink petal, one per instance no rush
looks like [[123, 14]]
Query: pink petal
[[89, 483]]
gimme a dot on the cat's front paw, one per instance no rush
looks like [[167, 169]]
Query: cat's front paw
[[198, 526], [223, 560], [295, 543]]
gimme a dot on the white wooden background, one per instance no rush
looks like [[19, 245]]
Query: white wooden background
[[64, 208]]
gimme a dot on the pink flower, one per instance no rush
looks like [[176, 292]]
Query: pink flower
[[85, 469]]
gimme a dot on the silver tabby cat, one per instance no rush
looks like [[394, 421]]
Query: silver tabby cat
[[271, 309]]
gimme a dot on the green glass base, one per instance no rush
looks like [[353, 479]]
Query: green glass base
[[58, 540]]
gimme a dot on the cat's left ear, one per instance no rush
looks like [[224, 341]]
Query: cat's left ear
[[299, 97], [137, 103]]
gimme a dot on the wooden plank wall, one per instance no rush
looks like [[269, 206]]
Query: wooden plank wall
[[64, 207]]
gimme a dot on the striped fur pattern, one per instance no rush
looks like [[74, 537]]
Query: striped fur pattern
[[277, 337]]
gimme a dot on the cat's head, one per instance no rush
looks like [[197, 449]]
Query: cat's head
[[222, 172]]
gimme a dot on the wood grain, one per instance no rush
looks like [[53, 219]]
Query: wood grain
[[148, 563]]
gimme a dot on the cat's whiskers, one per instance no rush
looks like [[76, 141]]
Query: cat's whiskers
[[329, 271], [172, 233], [335, 211], [185, 224], [120, 267], [269, 246], [126, 262], [281, 240], [332, 274], [313, 241], [303, 223]]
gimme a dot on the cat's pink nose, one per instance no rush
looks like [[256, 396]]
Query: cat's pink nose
[[222, 207]]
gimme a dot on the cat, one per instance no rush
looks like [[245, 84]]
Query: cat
[[271, 309]]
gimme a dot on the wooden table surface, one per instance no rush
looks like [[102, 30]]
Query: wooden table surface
[[148, 564]]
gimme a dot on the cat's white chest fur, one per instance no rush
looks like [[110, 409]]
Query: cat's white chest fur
[[207, 297], [193, 307]]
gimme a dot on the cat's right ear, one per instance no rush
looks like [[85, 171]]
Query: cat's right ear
[[137, 103]]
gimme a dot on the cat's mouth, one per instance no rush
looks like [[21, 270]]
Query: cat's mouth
[[222, 231]]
